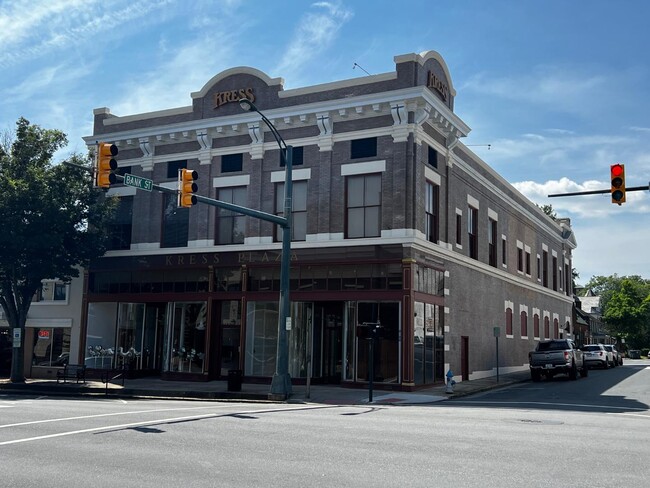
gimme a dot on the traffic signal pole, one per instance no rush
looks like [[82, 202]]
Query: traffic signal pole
[[596, 192]]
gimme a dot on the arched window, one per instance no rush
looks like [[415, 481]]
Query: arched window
[[508, 321], [524, 324], [536, 325], [556, 329], [547, 331]]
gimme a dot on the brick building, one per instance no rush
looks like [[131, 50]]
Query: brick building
[[395, 222]]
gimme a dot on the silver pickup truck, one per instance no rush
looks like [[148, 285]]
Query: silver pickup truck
[[558, 356]]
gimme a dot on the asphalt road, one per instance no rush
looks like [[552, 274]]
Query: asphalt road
[[592, 432]]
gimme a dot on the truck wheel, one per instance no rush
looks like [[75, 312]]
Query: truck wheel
[[573, 372], [535, 375]]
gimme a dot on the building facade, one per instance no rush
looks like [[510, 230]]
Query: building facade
[[52, 331], [395, 222]]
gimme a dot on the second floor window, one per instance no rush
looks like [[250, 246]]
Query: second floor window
[[175, 223], [121, 225], [297, 158], [431, 210], [472, 231], [173, 167], [299, 210], [231, 226], [231, 163], [51, 291], [363, 148], [492, 242], [363, 206]]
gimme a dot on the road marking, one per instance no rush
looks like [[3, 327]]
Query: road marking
[[114, 414], [552, 404], [153, 422]]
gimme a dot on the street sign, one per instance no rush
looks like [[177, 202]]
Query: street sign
[[17, 337], [138, 182]]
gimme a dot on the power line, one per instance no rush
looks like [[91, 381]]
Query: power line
[[361, 68]]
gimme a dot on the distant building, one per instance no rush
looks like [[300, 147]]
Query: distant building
[[395, 222], [592, 312], [52, 330]]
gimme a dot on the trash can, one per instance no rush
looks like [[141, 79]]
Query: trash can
[[234, 379]]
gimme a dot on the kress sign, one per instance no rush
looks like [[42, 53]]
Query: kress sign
[[222, 98]]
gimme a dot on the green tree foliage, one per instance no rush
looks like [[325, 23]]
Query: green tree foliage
[[625, 306], [548, 210], [45, 210]]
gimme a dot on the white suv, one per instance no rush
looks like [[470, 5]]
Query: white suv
[[596, 355]]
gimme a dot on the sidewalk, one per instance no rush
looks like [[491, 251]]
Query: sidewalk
[[156, 388]]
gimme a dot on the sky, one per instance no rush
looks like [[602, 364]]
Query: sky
[[560, 90]]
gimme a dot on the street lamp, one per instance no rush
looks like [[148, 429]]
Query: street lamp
[[281, 383]]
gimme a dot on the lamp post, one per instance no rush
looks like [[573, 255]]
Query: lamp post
[[281, 383]]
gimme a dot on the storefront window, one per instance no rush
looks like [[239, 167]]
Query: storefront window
[[129, 335], [51, 346], [299, 340], [186, 338], [261, 338]]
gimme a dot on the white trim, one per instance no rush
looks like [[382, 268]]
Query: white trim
[[369, 167], [472, 202], [493, 215], [432, 176], [296, 175], [54, 323], [231, 181], [122, 191]]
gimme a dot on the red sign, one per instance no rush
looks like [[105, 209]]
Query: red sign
[[43, 334]]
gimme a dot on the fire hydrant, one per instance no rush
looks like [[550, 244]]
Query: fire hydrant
[[450, 382]]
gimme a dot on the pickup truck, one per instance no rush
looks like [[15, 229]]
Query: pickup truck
[[557, 356]]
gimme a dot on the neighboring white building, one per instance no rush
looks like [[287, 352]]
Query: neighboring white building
[[52, 329]]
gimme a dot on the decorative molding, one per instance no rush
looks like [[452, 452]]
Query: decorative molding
[[400, 130], [325, 139], [145, 147]]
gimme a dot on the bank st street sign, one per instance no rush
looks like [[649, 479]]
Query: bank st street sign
[[138, 182]]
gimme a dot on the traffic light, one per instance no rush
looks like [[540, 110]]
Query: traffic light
[[105, 165], [187, 188], [617, 173]]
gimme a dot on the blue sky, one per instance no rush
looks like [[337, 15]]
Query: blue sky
[[559, 89]]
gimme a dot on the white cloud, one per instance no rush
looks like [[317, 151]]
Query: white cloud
[[30, 29], [595, 206], [315, 33], [554, 87]]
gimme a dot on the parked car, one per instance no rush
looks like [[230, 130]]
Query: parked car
[[617, 356], [596, 355], [634, 354]]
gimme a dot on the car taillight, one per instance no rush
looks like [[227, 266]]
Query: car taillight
[[600, 353], [566, 355]]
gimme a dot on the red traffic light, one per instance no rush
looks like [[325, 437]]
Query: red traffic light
[[617, 177]]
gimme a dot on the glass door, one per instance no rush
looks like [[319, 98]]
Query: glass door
[[230, 335]]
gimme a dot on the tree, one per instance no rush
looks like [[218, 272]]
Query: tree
[[548, 210], [45, 211], [625, 306]]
